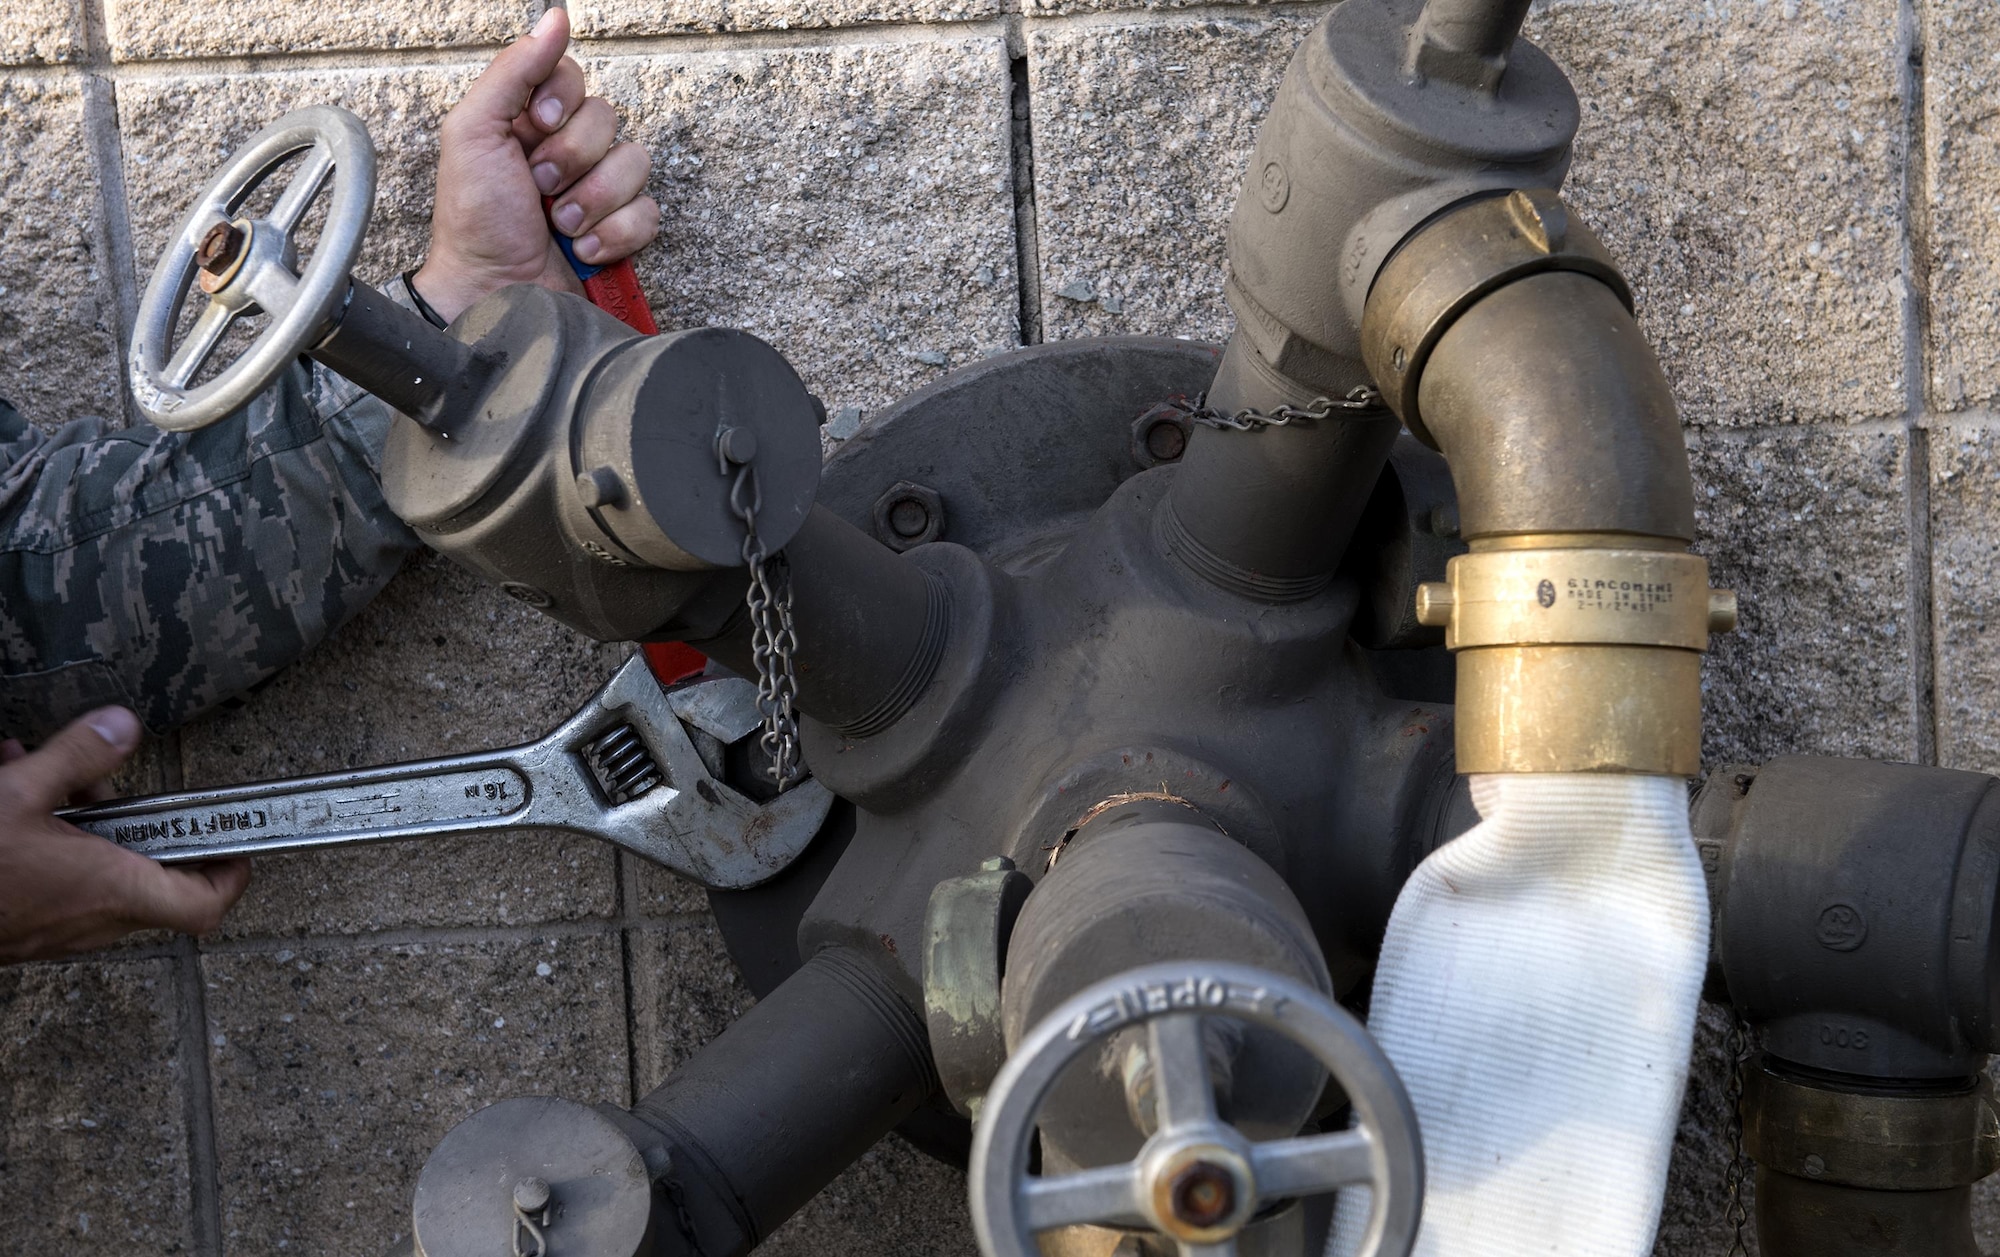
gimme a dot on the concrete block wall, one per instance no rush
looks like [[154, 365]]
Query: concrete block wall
[[1803, 193]]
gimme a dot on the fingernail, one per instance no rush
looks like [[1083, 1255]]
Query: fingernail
[[568, 218], [550, 113], [587, 247], [547, 20], [547, 177], [115, 725]]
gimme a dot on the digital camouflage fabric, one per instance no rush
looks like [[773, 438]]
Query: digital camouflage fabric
[[171, 571]]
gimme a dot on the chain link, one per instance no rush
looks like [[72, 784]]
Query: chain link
[[773, 640], [1361, 397], [682, 1218], [1736, 1046]]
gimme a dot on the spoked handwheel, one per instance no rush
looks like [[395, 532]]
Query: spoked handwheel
[[246, 265], [1198, 1180]]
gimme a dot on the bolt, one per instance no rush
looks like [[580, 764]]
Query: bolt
[[1165, 441], [1815, 1166], [218, 255], [737, 445], [908, 517], [1203, 1194], [531, 1195], [600, 486]]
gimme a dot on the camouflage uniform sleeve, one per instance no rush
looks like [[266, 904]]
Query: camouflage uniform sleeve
[[171, 571]]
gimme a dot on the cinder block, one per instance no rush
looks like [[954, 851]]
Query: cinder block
[[41, 31], [850, 204], [59, 356], [93, 1144], [156, 30], [893, 1202], [336, 1071], [1141, 135], [1962, 159], [684, 992], [659, 893], [440, 663], [1744, 163], [607, 19], [178, 130], [1965, 544], [1811, 528]]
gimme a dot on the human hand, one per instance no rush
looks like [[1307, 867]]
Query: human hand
[[526, 130], [63, 890]]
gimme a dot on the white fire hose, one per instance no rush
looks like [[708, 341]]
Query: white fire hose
[[1537, 993]]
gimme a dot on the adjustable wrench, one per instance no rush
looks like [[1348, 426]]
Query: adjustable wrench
[[623, 769]]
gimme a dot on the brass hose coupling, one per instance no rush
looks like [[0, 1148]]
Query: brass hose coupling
[[1578, 652], [1502, 334]]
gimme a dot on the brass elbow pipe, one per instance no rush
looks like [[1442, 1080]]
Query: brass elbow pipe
[[1503, 335]]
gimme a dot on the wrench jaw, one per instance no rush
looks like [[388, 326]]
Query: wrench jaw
[[699, 827]]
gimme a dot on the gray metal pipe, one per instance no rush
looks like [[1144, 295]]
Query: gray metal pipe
[[870, 626], [764, 1116], [1268, 513], [1480, 28]]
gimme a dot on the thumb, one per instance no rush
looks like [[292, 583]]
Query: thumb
[[87, 750], [191, 899], [501, 92]]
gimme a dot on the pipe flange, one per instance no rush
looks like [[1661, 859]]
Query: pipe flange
[[1445, 267], [1871, 1140]]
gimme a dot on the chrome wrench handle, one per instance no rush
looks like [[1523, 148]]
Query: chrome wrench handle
[[429, 798], [623, 770]]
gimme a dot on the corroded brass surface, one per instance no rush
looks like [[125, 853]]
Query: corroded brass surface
[[1883, 1142], [1444, 270], [1565, 709]]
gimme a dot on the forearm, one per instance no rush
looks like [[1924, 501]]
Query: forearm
[[169, 572]]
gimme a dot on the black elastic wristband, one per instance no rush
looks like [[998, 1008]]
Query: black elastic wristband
[[423, 307]]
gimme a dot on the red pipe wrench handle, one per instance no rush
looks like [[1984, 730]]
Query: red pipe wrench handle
[[613, 289]]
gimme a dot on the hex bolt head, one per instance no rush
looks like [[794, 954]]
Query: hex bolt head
[[219, 255], [531, 1195], [600, 486], [908, 515], [1160, 436], [1203, 1194], [218, 248]]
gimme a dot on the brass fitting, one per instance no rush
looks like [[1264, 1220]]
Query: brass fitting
[[1502, 334], [1575, 655]]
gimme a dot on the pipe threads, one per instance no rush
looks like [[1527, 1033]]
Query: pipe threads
[[921, 669]]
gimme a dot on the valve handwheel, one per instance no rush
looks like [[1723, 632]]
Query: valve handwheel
[[246, 265], [1197, 1180]]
